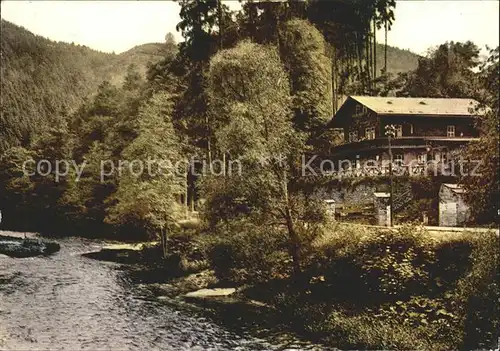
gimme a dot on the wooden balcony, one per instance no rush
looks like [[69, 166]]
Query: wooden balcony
[[384, 171], [405, 142]]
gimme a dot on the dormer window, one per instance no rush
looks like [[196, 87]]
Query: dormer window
[[450, 131]]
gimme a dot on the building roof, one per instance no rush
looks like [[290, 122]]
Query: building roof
[[456, 188], [420, 106]]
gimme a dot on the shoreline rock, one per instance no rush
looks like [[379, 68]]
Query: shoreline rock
[[207, 293], [20, 248]]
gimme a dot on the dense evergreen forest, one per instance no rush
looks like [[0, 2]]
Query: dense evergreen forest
[[43, 80], [204, 98]]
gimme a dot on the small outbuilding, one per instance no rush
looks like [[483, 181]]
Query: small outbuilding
[[330, 207], [453, 211], [381, 204]]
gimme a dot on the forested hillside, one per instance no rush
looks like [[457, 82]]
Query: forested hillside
[[42, 80], [140, 56], [398, 60]]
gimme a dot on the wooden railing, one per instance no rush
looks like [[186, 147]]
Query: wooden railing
[[414, 170], [406, 142]]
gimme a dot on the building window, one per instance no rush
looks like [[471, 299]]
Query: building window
[[450, 131], [353, 136], [411, 129], [398, 159], [370, 133], [422, 158], [398, 130]]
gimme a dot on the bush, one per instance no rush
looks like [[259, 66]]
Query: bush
[[364, 332], [188, 245], [246, 252], [478, 294], [373, 265], [396, 263], [417, 207], [404, 289], [330, 323]]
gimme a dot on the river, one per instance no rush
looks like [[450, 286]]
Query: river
[[69, 302]]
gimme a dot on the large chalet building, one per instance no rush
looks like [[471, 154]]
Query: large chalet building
[[425, 129]]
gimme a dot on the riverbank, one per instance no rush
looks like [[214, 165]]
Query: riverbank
[[359, 287], [72, 302]]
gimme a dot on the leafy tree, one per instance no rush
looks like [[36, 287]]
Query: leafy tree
[[385, 17], [83, 201], [100, 118], [447, 71], [261, 21], [348, 28], [202, 25], [107, 101], [198, 19], [146, 198], [170, 41], [133, 79], [257, 131], [303, 50], [162, 75], [16, 186], [483, 187]]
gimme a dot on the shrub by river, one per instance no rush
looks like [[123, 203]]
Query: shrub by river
[[362, 288], [359, 288]]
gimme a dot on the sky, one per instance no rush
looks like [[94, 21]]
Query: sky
[[116, 26]]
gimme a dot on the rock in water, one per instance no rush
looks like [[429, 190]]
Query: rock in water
[[17, 247], [217, 292]]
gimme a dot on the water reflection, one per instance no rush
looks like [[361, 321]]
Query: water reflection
[[68, 302]]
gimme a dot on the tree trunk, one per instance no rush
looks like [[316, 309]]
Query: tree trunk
[[221, 24], [209, 141], [335, 79], [385, 49], [359, 57], [294, 244], [374, 49], [368, 61], [294, 248], [334, 86], [186, 194], [163, 239], [359, 51]]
